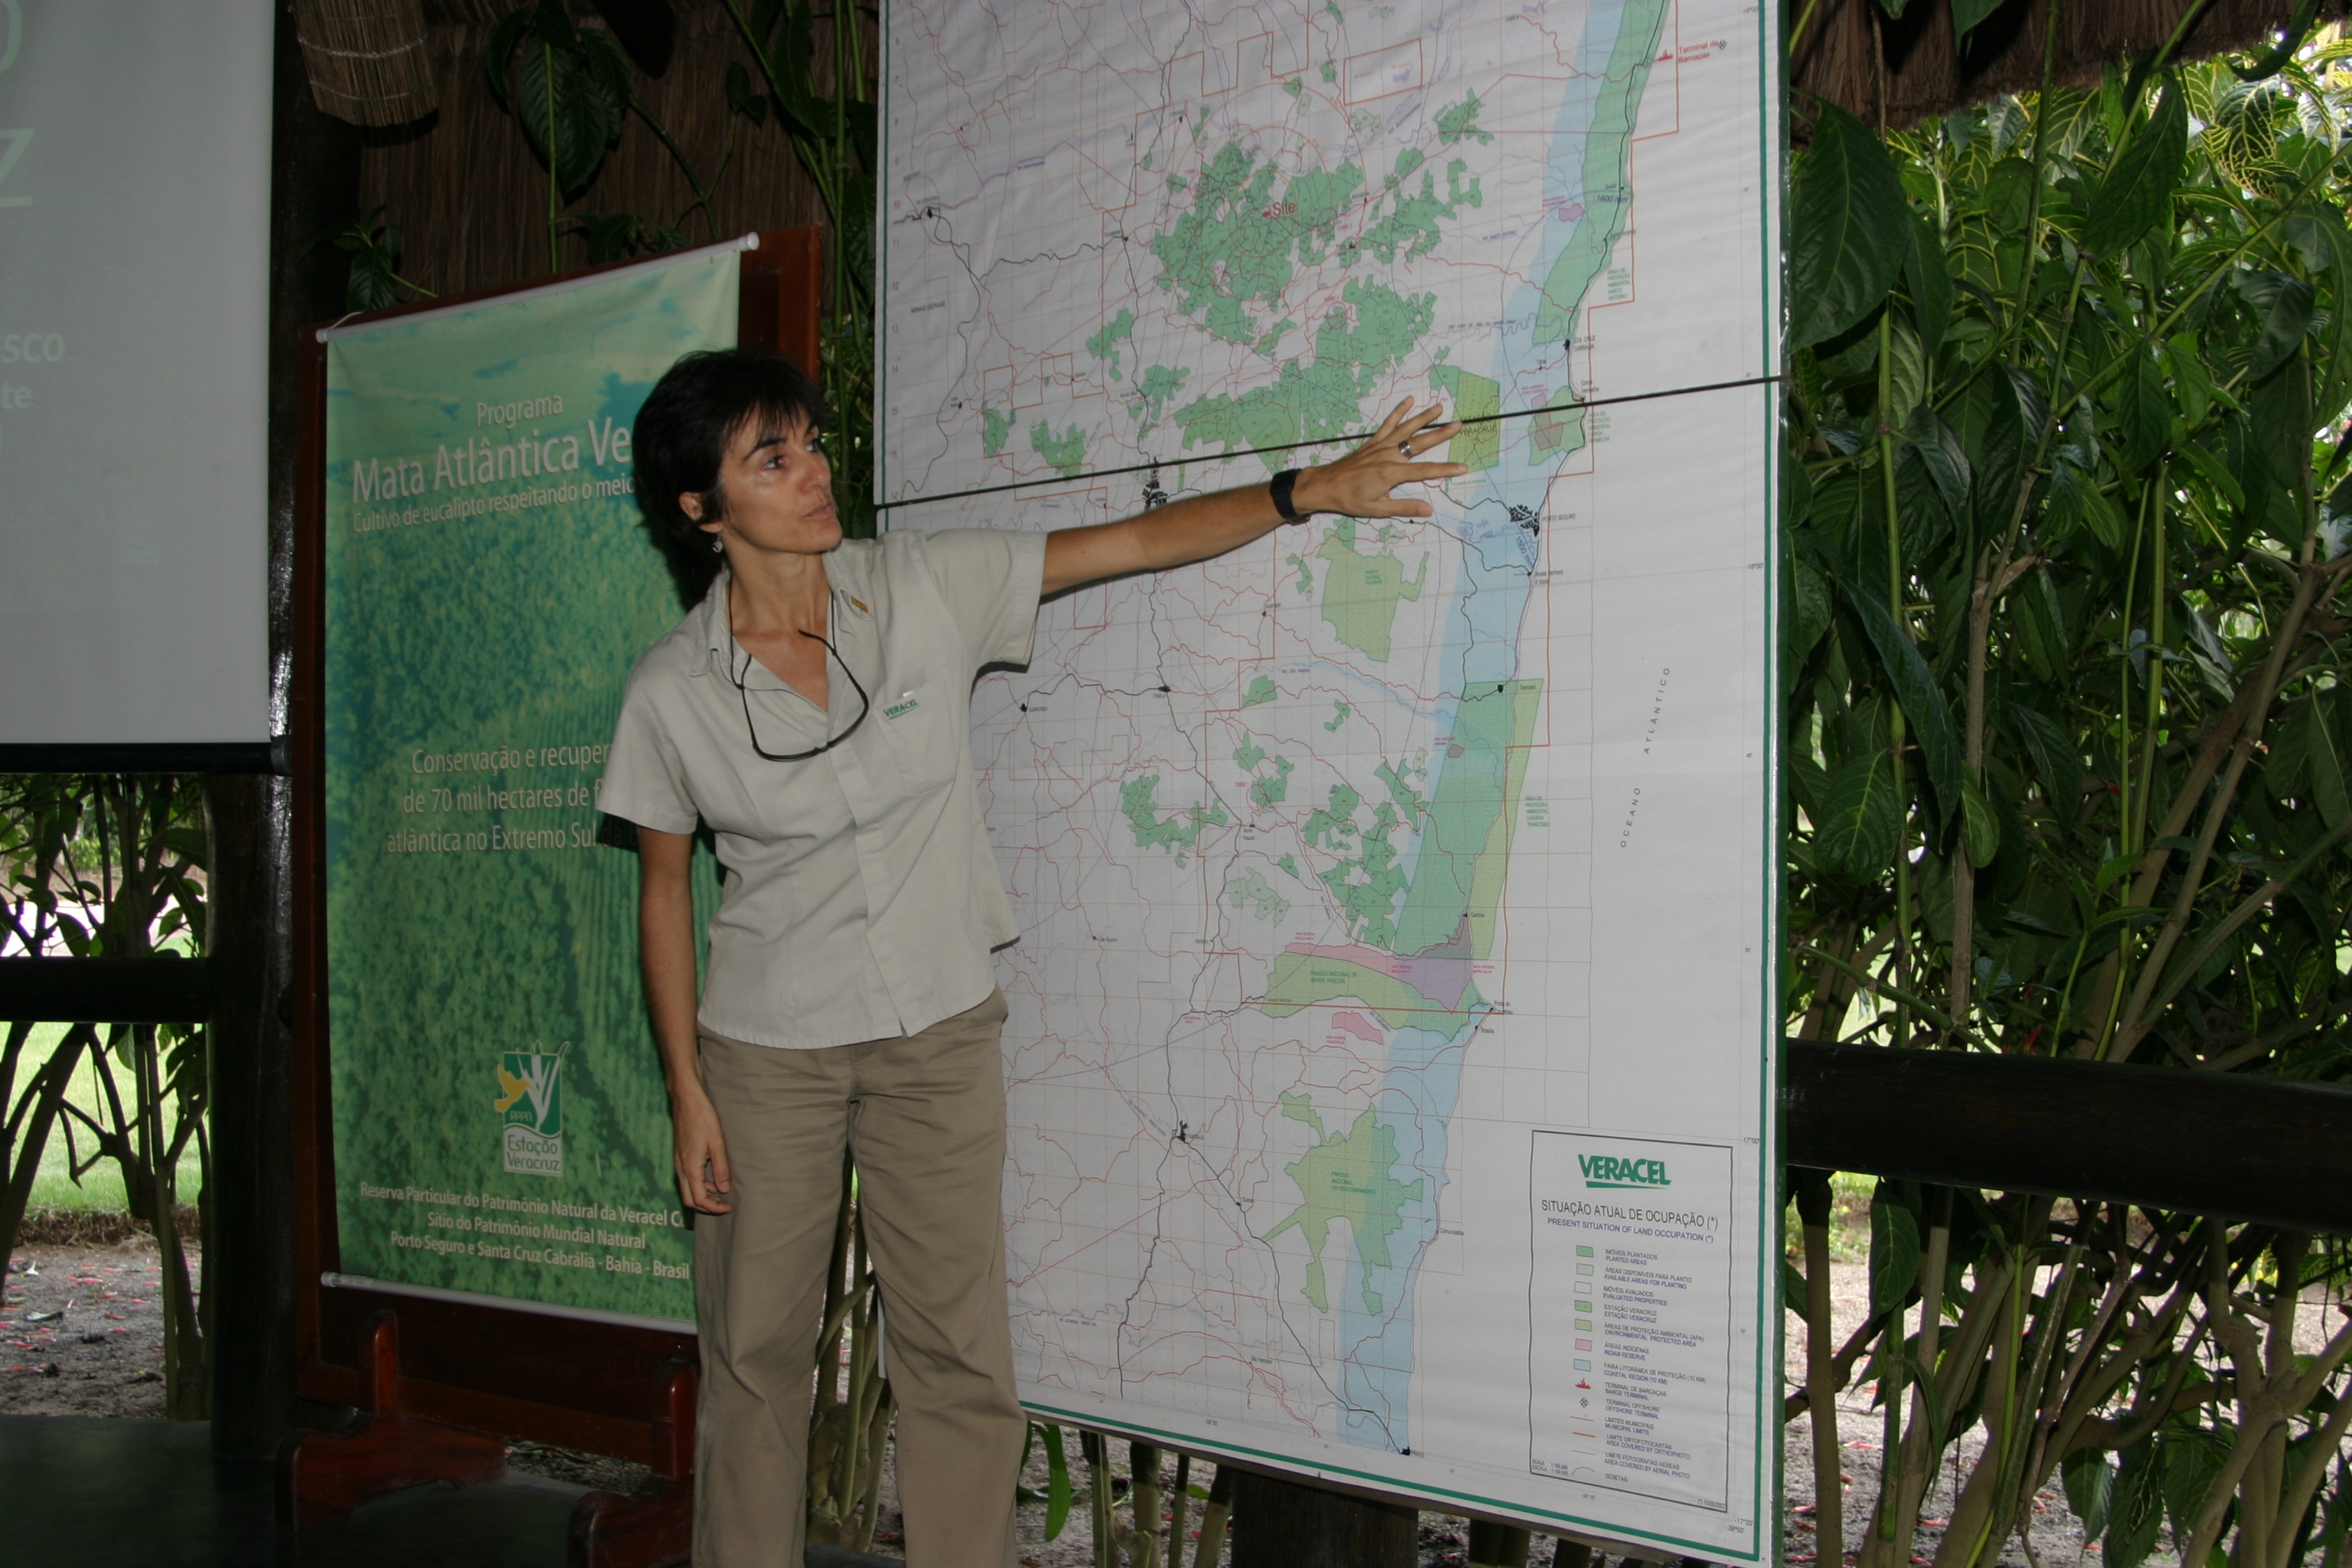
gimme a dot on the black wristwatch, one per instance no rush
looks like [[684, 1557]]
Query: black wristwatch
[[1279, 489]]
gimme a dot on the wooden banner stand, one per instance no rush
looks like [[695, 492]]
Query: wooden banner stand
[[443, 1384]]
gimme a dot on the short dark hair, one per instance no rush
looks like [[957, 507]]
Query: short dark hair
[[694, 411]]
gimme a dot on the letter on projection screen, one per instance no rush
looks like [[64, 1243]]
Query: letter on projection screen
[[134, 266]]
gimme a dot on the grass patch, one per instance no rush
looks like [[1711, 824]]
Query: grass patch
[[100, 1187]]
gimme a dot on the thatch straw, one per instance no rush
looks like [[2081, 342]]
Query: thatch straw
[[1907, 71], [367, 59]]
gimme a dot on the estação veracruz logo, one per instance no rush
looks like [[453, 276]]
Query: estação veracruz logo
[[531, 1097], [1609, 1171]]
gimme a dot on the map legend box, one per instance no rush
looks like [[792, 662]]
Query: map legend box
[[1632, 1261]]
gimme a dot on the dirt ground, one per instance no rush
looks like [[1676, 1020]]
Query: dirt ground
[[81, 1335], [81, 1331]]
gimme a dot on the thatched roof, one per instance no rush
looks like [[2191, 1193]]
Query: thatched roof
[[366, 60], [1906, 71]]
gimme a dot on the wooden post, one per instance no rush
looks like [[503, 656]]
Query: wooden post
[[1497, 1545], [247, 1310], [1292, 1524]]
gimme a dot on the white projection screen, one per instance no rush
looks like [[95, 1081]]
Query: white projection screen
[[134, 270]]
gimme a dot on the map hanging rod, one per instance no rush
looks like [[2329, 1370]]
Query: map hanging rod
[[1334, 441]]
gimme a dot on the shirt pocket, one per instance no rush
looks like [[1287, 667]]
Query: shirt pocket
[[925, 735]]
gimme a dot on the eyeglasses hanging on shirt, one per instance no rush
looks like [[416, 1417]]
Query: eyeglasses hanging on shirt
[[865, 706]]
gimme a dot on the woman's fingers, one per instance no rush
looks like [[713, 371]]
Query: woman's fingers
[[702, 1173]]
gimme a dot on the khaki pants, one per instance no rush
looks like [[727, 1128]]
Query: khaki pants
[[925, 1116]]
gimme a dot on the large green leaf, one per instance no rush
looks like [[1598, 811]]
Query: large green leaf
[[2136, 1512], [2277, 451], [1970, 15], [2136, 193], [1809, 781], [1848, 229], [2090, 1478], [1939, 448], [1861, 821], [2188, 1463], [2317, 229], [2053, 751], [563, 98], [2143, 412], [1894, 1251], [1058, 1491], [1991, 431], [1981, 825], [1914, 688], [2077, 505], [2323, 758], [1811, 596], [1792, 1288], [1930, 283], [2283, 307], [1906, 369], [2008, 193]]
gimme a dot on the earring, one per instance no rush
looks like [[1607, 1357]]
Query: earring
[[718, 545]]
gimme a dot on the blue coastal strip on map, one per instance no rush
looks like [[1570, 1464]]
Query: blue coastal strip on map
[[1421, 1079]]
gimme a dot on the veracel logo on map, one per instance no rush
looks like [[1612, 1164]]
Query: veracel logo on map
[[1609, 1171], [531, 1097]]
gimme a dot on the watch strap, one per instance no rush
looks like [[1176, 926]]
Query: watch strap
[[1279, 489]]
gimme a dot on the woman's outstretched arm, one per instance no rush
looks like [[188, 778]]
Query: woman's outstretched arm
[[1202, 526], [666, 949]]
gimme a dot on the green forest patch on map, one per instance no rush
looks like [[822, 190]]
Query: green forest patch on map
[[1360, 591], [1066, 454], [1347, 1177], [1252, 892], [1104, 345], [1137, 799], [1474, 397], [1457, 879]]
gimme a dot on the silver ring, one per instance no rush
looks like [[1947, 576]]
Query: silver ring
[[1404, 449]]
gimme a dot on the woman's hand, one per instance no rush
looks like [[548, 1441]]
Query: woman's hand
[[700, 1151], [1358, 485]]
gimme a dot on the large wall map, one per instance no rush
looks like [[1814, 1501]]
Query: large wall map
[[1392, 1024]]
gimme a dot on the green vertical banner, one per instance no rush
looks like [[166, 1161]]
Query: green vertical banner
[[500, 1125]]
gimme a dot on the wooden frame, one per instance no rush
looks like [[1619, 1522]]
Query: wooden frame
[[445, 1383]]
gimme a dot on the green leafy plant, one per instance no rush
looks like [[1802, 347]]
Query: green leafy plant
[[374, 243], [571, 88], [835, 139], [568, 86], [111, 865], [2069, 526]]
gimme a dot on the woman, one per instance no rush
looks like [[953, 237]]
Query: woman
[[813, 713]]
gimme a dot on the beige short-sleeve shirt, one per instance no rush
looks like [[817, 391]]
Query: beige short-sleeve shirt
[[861, 899]]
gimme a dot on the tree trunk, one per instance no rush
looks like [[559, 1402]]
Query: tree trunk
[[1292, 1524]]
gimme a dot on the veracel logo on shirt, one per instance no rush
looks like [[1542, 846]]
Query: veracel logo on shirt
[[531, 1097], [900, 709]]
